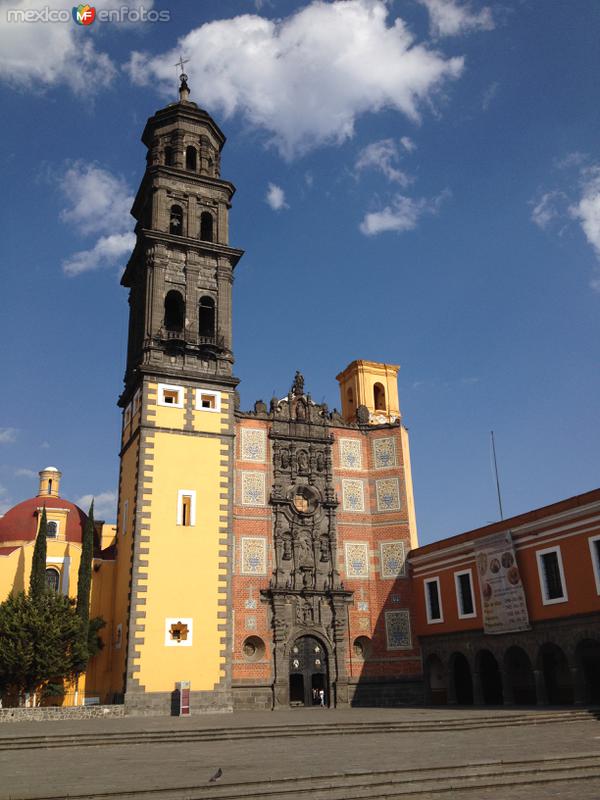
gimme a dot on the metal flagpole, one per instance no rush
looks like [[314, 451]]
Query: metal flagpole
[[496, 474]]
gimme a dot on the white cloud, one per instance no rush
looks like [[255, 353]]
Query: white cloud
[[402, 215], [547, 208], [382, 156], [105, 504], [6, 502], [408, 144], [450, 18], [587, 210], [99, 202], [38, 55], [23, 472], [275, 197], [305, 79], [8, 435], [489, 94], [45, 445], [107, 252]]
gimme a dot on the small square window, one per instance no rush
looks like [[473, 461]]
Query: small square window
[[52, 529], [207, 400], [170, 395]]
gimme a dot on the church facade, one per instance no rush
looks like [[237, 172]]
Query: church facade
[[256, 551], [268, 558]]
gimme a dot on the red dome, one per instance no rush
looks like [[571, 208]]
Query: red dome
[[20, 523]]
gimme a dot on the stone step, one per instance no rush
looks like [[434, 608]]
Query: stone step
[[93, 739], [377, 785]]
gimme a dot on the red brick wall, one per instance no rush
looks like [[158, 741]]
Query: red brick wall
[[375, 594]]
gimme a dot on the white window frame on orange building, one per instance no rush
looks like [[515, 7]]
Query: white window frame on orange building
[[550, 601], [426, 583], [459, 596], [595, 555]]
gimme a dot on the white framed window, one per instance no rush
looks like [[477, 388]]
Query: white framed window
[[137, 399], [53, 529], [186, 507], [125, 516], [552, 576], [594, 542], [169, 395], [207, 400], [433, 600], [465, 597]]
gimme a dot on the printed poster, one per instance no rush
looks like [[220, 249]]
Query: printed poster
[[502, 594]]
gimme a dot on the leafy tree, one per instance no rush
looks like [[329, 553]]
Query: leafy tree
[[37, 579], [38, 641]]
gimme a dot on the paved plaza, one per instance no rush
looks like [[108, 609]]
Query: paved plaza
[[475, 753]]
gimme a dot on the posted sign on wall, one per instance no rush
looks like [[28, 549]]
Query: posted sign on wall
[[502, 595]]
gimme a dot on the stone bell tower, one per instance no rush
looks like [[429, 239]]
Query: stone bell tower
[[175, 494]]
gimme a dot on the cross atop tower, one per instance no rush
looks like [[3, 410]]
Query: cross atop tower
[[184, 89], [180, 64]]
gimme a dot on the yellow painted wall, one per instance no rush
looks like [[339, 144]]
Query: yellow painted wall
[[122, 570], [410, 499], [361, 377], [185, 573]]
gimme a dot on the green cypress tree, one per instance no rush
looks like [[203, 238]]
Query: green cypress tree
[[37, 579], [84, 585]]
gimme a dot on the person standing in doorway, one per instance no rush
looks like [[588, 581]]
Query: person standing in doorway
[[322, 698]]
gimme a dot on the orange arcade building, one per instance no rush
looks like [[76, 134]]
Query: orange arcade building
[[510, 613]]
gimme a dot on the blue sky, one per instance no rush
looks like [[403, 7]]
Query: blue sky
[[418, 182]]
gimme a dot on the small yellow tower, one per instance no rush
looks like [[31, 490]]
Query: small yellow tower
[[49, 482], [369, 393], [373, 385]]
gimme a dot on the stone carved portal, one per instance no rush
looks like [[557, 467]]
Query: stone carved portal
[[308, 672], [306, 595]]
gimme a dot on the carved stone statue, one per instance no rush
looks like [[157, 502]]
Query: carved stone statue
[[320, 462], [303, 461], [362, 415], [298, 385], [285, 459], [300, 411]]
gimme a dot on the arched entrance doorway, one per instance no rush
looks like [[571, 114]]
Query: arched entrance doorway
[[489, 676], [557, 675], [520, 676], [437, 681], [588, 658], [460, 675], [308, 672]]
